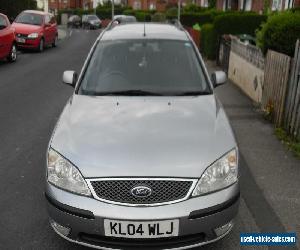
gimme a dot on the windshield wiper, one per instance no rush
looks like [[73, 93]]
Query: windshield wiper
[[132, 92], [193, 93]]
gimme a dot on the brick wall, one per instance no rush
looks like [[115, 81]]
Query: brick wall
[[297, 3], [257, 5]]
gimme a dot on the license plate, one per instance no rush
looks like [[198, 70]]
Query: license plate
[[21, 40], [144, 229]]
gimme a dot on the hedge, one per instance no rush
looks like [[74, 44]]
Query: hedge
[[208, 41], [238, 23], [280, 33], [158, 17], [189, 19], [229, 23]]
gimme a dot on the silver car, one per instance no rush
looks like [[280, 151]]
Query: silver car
[[143, 155]]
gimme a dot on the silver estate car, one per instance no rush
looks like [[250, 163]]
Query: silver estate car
[[143, 155]]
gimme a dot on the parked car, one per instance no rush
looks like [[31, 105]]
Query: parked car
[[8, 48], [74, 22], [247, 39], [91, 22], [121, 19], [143, 154], [35, 30]]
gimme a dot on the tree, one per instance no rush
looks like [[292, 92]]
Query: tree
[[12, 8]]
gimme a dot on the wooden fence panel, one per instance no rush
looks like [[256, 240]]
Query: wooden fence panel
[[277, 68], [292, 110]]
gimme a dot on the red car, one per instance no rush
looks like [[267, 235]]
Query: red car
[[8, 47], [35, 30]]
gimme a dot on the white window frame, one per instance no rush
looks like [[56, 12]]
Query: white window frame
[[289, 4], [276, 5]]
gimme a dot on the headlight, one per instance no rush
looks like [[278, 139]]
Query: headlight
[[33, 35], [221, 174], [63, 174]]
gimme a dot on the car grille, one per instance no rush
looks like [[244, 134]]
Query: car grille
[[163, 190]]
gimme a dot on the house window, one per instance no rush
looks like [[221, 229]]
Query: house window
[[137, 5], [248, 5], [227, 4], [152, 6], [289, 4], [276, 5], [204, 3]]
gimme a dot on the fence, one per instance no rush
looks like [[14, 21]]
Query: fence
[[275, 85], [292, 105], [246, 69], [274, 82], [250, 53]]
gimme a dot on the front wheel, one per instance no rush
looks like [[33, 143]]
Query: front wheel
[[41, 45], [12, 57]]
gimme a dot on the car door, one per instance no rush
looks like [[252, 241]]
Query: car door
[[5, 37]]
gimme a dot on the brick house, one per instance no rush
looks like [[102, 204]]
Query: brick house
[[55, 5], [256, 5], [158, 5]]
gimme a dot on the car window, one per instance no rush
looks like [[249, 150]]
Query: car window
[[47, 19], [93, 18], [30, 18], [3, 23], [167, 67]]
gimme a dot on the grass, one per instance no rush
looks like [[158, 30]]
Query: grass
[[292, 144]]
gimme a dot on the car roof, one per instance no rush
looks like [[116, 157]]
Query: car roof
[[152, 31], [35, 12]]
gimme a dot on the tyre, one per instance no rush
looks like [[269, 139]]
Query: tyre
[[41, 45], [13, 55], [54, 44]]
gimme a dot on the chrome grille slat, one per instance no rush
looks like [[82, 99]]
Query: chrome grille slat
[[163, 190]]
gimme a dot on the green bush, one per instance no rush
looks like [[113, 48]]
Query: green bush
[[227, 23], [280, 33], [143, 16], [158, 17], [208, 43], [238, 23], [173, 11], [189, 19], [128, 12], [193, 8]]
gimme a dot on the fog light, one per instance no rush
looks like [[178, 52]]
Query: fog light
[[224, 229], [59, 228]]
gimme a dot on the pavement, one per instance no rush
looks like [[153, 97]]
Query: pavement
[[62, 32], [270, 174], [31, 98]]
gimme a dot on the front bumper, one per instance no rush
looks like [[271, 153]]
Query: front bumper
[[198, 219], [29, 43]]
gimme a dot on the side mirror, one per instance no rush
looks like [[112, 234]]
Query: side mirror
[[218, 78], [70, 77]]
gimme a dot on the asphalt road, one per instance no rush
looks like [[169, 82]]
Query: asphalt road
[[31, 99]]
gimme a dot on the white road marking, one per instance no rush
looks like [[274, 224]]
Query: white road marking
[[71, 33]]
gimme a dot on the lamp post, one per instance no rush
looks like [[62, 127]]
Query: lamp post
[[179, 10], [112, 9]]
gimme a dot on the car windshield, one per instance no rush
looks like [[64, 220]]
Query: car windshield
[[30, 18], [74, 18], [3, 23], [93, 18], [144, 67]]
